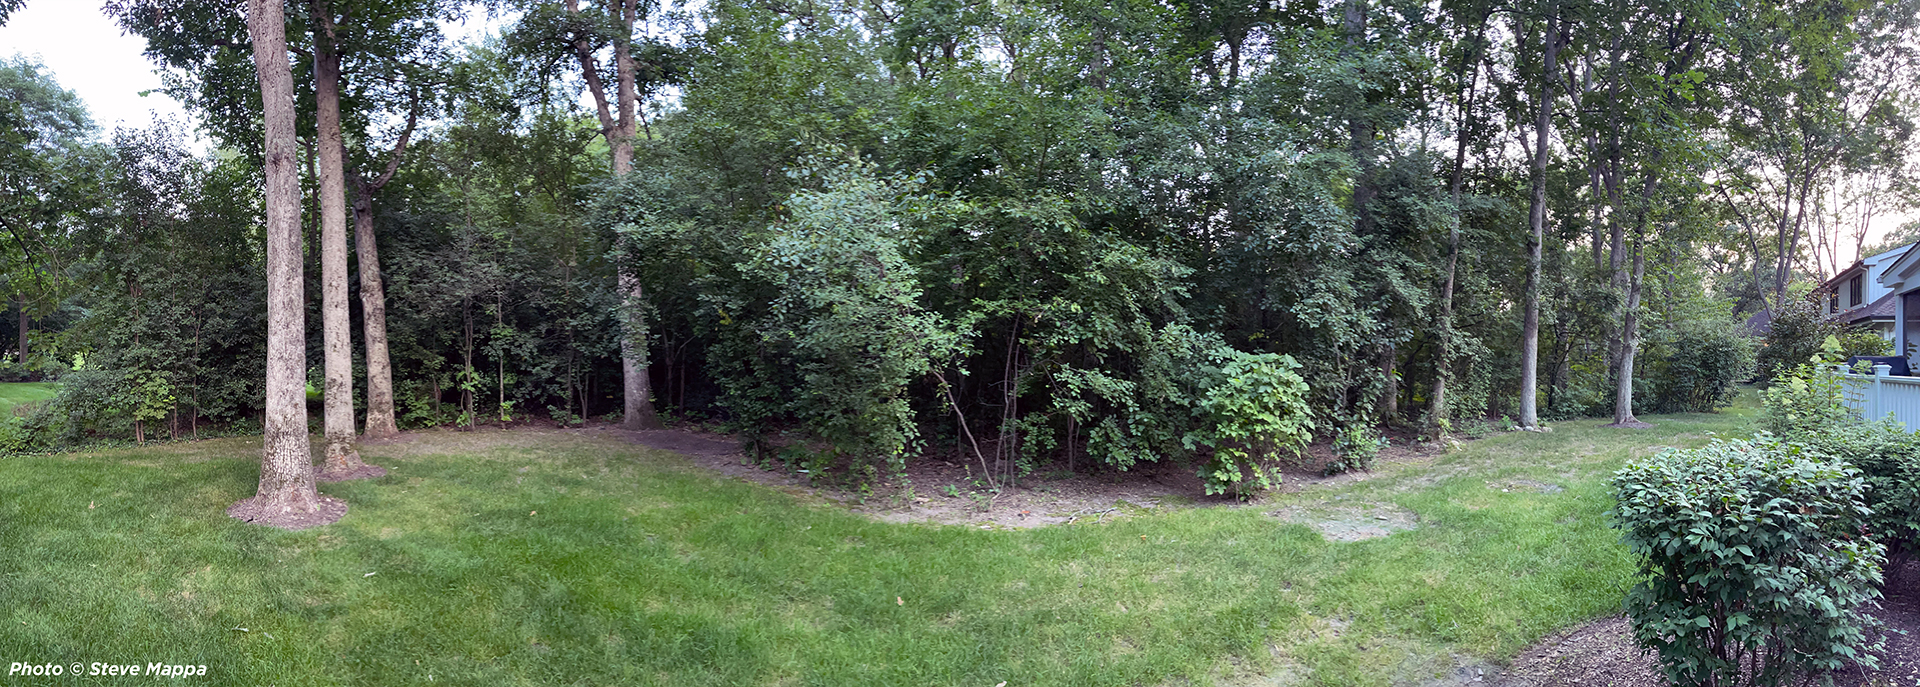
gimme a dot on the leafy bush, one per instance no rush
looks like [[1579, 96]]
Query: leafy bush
[[1807, 407], [1801, 331], [1804, 401], [1354, 448], [1755, 568], [1700, 367], [1861, 341], [1255, 409]]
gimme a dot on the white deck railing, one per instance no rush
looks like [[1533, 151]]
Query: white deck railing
[[1881, 394]]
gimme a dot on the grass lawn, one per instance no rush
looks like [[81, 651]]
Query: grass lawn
[[572, 558], [16, 393]]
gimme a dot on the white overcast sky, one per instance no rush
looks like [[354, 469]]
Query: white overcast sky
[[89, 55]]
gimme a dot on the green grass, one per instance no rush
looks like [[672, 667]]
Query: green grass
[[16, 393], [570, 558]]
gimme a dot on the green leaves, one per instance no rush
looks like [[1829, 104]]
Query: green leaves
[[1254, 412], [1750, 554]]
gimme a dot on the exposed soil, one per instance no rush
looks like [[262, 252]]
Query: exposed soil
[[951, 490], [253, 510], [1351, 522]]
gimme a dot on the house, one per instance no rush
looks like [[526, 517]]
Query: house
[[1900, 277], [1860, 296]]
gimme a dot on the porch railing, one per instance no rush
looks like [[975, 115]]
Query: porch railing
[[1880, 394]]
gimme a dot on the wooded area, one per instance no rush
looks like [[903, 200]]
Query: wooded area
[[1014, 233]]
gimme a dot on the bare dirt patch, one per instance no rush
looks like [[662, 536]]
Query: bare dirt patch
[[950, 490], [1351, 523]]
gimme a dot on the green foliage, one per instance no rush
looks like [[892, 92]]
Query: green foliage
[[1862, 341], [1804, 401], [1354, 448], [844, 314], [1800, 332], [1809, 407], [1698, 367], [1253, 412], [1756, 570]]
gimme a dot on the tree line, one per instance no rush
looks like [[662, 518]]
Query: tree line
[[1015, 232]]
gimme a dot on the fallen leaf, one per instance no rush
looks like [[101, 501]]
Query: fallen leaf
[[371, 574], [900, 601], [531, 512], [89, 505]]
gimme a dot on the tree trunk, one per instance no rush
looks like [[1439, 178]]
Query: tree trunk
[[637, 384], [1456, 185], [286, 495], [373, 318], [20, 302], [1630, 340], [337, 327], [1537, 221]]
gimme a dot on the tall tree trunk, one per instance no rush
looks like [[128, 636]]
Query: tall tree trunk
[[286, 495], [1537, 221], [342, 459], [619, 133], [1630, 338], [373, 318], [373, 291]]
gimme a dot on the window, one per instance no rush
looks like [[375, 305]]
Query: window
[[1833, 302], [1853, 291]]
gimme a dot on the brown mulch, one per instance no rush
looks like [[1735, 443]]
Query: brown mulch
[[1603, 653], [258, 512]]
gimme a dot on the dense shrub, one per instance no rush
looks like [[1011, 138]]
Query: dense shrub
[[1253, 412], [1800, 331], [1807, 407], [1754, 566], [1861, 341], [1700, 367]]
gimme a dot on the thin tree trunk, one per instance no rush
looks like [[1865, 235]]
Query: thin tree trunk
[[1537, 221], [286, 495], [1443, 355], [20, 303], [342, 459]]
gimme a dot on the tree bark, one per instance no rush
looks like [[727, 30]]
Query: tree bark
[[1456, 185], [373, 319], [1630, 339], [1537, 221], [619, 132], [20, 302], [286, 493], [373, 291], [336, 325]]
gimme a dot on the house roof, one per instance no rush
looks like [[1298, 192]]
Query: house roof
[[1896, 274], [1760, 323], [1881, 309], [1834, 283]]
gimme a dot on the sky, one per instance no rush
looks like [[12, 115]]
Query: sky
[[88, 54]]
